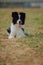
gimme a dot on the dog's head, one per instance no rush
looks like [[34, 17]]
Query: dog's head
[[18, 18]]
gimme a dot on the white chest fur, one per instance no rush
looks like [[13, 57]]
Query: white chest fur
[[16, 31]]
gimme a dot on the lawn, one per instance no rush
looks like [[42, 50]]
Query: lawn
[[23, 51]]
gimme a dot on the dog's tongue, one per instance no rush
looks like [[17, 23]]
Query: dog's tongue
[[19, 26]]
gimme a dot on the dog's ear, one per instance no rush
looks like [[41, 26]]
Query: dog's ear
[[14, 14], [23, 15], [15, 17]]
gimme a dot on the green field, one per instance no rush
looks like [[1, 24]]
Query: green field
[[23, 51]]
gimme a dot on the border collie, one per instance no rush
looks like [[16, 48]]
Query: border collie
[[17, 25]]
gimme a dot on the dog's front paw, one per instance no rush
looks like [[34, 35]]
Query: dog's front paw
[[10, 37]]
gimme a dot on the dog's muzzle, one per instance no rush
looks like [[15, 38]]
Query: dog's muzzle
[[19, 24]]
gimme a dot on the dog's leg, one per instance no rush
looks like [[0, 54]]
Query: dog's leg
[[13, 31], [8, 31]]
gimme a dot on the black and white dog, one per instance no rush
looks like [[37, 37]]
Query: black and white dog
[[17, 25]]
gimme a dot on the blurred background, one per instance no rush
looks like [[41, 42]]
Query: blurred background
[[21, 3]]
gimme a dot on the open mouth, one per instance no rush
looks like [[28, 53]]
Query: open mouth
[[18, 25]]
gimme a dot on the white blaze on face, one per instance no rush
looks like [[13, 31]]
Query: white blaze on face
[[19, 25]]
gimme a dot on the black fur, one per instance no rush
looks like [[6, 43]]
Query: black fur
[[22, 17], [9, 30], [16, 17]]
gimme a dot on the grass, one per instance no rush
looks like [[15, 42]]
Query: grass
[[33, 27]]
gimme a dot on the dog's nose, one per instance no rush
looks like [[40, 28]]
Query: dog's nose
[[20, 22]]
